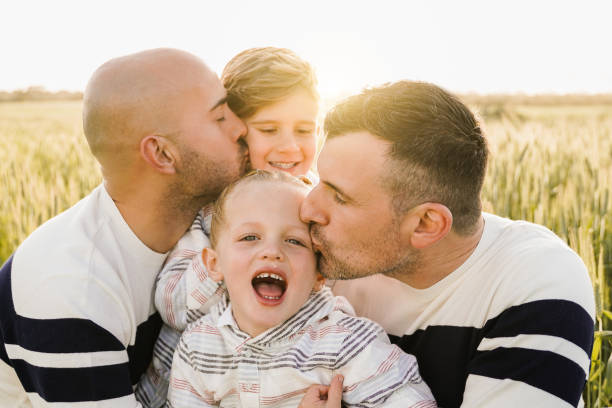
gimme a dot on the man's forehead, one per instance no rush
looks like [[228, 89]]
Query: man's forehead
[[355, 149], [353, 161], [212, 89]]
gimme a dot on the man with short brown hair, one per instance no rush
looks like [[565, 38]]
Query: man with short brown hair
[[499, 313], [78, 322]]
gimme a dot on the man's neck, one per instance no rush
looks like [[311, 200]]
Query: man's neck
[[157, 223], [443, 258]]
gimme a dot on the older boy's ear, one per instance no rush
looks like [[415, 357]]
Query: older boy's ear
[[159, 153], [426, 224], [210, 260]]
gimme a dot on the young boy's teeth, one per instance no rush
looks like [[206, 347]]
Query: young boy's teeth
[[270, 275], [271, 297], [283, 165]]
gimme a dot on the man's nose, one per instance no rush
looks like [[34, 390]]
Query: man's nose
[[311, 211]]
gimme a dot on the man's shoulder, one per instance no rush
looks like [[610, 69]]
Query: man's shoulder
[[62, 243], [53, 269], [527, 262], [521, 237], [531, 251], [75, 223]]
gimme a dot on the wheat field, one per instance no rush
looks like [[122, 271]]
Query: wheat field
[[550, 164]]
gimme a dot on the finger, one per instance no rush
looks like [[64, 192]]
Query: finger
[[334, 394], [317, 389], [312, 397]]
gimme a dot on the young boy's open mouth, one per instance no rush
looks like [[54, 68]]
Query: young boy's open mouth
[[270, 286]]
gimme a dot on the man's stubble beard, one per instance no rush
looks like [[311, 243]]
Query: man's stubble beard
[[201, 180], [333, 267]]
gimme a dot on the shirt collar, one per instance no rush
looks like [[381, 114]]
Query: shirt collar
[[319, 305], [227, 318]]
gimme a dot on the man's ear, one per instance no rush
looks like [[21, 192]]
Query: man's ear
[[319, 282], [426, 224], [159, 153], [209, 257]]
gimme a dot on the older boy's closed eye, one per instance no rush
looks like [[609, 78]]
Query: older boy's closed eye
[[274, 92]]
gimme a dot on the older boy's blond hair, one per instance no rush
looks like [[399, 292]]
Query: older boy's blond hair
[[258, 77]]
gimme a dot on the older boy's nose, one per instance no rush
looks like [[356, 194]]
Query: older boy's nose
[[288, 143]]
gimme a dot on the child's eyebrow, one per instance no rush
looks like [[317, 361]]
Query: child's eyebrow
[[247, 225]]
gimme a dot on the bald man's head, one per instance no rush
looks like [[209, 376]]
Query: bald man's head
[[159, 120], [136, 95]]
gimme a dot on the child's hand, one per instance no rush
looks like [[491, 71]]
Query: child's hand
[[324, 396]]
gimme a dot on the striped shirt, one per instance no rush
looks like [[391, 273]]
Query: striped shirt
[[511, 327], [77, 319], [216, 363]]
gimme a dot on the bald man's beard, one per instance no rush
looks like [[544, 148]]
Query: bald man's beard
[[200, 179]]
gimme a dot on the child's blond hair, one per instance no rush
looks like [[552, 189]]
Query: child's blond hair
[[258, 77], [260, 176]]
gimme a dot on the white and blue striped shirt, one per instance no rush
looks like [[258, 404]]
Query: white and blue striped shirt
[[77, 317], [511, 327]]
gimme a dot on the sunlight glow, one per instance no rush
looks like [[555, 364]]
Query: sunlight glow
[[471, 46]]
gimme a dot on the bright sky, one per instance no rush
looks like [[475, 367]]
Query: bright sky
[[483, 46]]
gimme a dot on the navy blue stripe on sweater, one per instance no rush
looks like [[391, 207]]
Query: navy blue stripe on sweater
[[71, 335], [545, 370], [75, 384], [550, 317], [448, 354], [141, 353], [7, 311]]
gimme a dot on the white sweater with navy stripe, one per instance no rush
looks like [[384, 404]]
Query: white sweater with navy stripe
[[77, 316], [512, 327]]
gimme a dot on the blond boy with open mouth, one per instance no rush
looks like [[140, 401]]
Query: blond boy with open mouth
[[277, 329]]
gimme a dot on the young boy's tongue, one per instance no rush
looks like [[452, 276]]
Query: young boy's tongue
[[268, 289]]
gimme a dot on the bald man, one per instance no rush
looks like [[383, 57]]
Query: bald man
[[77, 318]]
